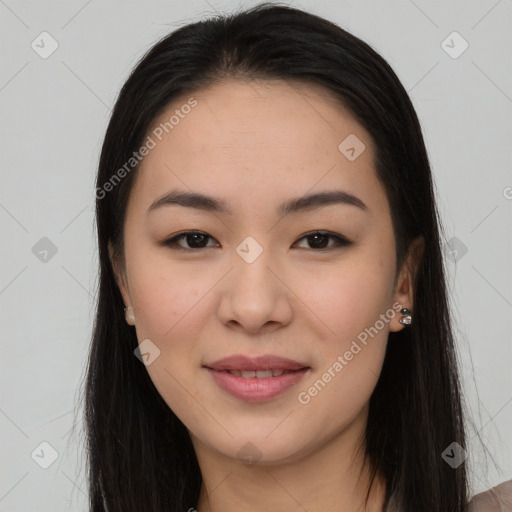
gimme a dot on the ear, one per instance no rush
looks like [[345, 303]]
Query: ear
[[404, 292], [121, 280]]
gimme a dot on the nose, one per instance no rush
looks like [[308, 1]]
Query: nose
[[255, 299]]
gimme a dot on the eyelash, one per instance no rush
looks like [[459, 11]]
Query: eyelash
[[172, 244]]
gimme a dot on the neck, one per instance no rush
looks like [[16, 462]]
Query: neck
[[332, 477]]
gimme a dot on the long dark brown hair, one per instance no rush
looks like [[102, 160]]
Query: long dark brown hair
[[139, 454]]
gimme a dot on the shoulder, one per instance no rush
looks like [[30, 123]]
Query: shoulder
[[496, 499]]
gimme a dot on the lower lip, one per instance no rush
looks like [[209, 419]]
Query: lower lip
[[254, 389]]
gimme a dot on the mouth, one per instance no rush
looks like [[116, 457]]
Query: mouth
[[267, 362], [259, 374], [256, 379]]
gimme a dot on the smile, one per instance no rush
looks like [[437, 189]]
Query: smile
[[256, 386], [260, 374]]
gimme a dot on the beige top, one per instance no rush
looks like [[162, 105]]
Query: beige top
[[496, 499]]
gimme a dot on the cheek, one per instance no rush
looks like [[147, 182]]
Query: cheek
[[170, 312], [348, 297], [167, 297], [352, 303]]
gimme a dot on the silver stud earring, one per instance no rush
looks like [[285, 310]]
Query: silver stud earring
[[407, 317], [130, 317]]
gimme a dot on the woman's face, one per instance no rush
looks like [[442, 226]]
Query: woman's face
[[256, 281]]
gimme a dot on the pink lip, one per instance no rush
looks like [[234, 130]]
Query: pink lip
[[265, 362], [255, 389]]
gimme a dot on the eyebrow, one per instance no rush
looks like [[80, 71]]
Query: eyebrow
[[298, 204]]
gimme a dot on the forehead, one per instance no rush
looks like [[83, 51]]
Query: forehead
[[257, 142]]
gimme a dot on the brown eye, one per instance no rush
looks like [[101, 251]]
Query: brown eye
[[319, 240], [197, 240], [193, 239]]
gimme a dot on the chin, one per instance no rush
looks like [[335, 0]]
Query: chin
[[256, 446]]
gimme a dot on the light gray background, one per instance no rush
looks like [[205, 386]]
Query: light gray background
[[53, 116]]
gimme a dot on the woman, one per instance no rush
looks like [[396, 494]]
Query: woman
[[272, 325]]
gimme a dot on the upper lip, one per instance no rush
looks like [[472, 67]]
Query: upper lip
[[264, 362]]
